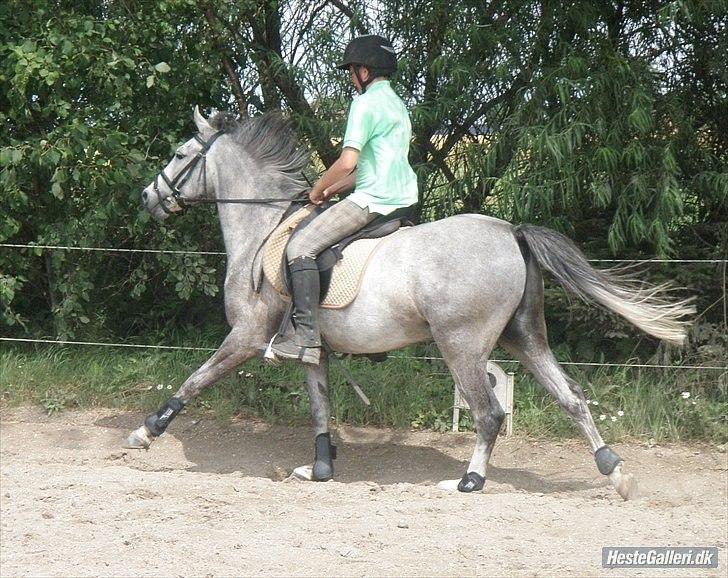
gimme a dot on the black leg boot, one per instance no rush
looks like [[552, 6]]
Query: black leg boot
[[323, 465], [305, 344]]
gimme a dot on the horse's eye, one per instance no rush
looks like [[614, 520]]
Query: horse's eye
[[179, 155]]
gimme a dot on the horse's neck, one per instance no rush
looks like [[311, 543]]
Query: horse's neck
[[246, 226]]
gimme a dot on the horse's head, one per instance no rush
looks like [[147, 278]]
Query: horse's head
[[259, 160], [186, 178]]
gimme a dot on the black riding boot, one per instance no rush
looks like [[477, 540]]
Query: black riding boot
[[305, 344]]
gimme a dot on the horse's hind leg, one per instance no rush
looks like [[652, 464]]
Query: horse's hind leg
[[317, 378], [469, 370], [487, 416], [231, 353], [525, 338]]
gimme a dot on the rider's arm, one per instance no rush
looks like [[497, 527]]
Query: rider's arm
[[344, 185], [341, 170]]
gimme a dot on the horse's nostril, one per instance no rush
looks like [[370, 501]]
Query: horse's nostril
[[145, 195]]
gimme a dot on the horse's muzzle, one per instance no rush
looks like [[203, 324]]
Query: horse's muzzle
[[151, 204]]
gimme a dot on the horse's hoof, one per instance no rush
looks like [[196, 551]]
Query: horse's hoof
[[139, 439], [471, 482], [312, 473], [625, 484], [304, 473], [449, 485]]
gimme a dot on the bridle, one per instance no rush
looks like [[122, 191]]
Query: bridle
[[175, 204]]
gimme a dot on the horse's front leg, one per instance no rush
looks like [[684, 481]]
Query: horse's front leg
[[234, 350], [317, 377]]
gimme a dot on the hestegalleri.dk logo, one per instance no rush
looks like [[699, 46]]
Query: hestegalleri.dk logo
[[659, 557]]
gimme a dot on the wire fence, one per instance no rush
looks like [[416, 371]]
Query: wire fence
[[210, 349], [420, 357], [188, 252], [110, 249]]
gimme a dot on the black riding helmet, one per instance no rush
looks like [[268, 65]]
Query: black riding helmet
[[374, 52]]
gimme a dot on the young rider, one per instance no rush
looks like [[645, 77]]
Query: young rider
[[373, 162]]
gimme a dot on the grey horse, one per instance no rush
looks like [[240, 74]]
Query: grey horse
[[466, 282]]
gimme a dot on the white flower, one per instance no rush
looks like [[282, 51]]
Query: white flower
[[169, 386], [685, 394], [595, 403], [160, 386], [620, 413], [602, 417], [614, 418], [588, 401]]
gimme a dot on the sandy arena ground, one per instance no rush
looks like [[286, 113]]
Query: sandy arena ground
[[209, 500]]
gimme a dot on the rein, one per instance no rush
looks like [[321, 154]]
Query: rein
[[176, 204], [258, 201]]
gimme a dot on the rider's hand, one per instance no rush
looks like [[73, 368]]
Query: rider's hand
[[318, 198]]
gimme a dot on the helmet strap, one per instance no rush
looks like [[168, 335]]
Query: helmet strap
[[364, 84]]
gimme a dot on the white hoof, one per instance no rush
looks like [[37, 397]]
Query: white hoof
[[304, 473], [139, 439], [625, 484], [449, 485]]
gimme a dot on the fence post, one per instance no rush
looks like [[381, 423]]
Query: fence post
[[502, 383]]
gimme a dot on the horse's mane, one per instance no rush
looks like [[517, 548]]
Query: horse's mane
[[268, 139]]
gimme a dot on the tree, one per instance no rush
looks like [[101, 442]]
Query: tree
[[605, 121], [85, 90]]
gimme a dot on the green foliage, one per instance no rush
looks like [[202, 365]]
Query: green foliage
[[84, 90]]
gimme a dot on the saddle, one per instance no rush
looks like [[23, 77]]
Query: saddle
[[341, 265]]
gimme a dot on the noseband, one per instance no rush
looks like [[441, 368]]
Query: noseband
[[174, 203]]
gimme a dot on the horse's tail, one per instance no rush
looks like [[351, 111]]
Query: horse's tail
[[645, 306]]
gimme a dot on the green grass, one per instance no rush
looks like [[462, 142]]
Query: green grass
[[647, 405], [633, 404]]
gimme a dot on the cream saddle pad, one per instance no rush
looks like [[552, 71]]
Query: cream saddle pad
[[346, 275]]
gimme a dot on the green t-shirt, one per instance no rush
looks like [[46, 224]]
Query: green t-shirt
[[379, 128]]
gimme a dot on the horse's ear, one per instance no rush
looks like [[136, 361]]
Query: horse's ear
[[202, 125]]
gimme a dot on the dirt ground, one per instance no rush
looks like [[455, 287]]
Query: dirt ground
[[209, 500]]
